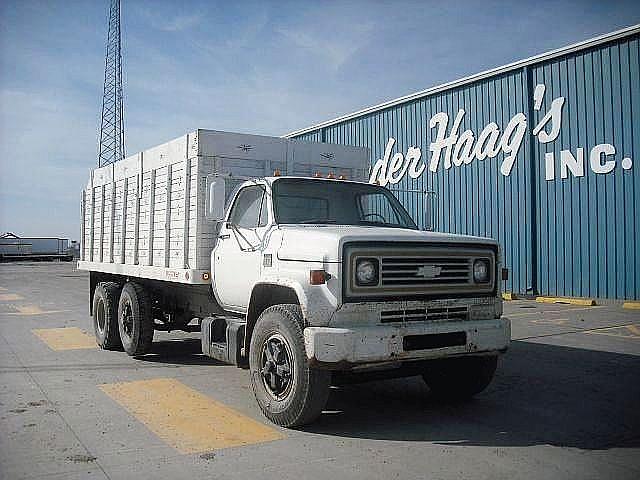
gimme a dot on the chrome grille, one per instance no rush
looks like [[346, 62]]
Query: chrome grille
[[436, 314], [414, 271]]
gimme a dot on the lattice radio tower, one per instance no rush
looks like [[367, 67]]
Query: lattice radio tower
[[111, 148]]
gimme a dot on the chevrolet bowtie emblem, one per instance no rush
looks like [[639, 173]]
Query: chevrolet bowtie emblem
[[428, 271]]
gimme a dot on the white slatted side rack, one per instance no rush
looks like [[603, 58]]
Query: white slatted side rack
[[144, 215]]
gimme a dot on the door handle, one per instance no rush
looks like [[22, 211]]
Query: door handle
[[224, 237]]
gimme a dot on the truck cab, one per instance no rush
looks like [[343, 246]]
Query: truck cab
[[333, 275]]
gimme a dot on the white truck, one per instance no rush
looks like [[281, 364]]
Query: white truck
[[290, 264]]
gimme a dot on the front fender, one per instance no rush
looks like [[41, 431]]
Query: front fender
[[286, 283], [317, 302]]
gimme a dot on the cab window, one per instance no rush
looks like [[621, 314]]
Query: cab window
[[250, 208]]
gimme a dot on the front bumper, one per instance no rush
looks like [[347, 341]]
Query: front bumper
[[345, 348]]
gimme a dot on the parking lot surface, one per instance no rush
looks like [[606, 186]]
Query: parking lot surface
[[565, 403]]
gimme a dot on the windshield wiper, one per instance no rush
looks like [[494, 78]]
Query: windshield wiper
[[373, 222], [318, 220], [384, 224]]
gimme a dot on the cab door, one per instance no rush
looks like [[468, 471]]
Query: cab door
[[237, 257]]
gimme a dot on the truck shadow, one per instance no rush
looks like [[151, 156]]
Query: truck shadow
[[542, 394], [181, 351]]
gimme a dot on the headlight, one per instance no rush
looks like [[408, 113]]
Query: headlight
[[481, 271], [367, 272]]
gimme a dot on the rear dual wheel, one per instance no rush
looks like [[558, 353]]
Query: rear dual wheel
[[135, 321], [105, 315], [122, 318]]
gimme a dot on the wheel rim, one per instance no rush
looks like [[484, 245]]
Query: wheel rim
[[101, 316], [276, 366], [127, 319]]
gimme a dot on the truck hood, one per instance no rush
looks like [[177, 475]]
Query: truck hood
[[322, 243]]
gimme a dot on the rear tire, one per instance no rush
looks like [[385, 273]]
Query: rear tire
[[105, 315], [135, 321], [460, 378], [287, 390]]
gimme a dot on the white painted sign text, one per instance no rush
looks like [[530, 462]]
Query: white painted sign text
[[453, 149]]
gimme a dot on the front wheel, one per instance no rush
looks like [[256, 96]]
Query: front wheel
[[460, 378], [287, 390]]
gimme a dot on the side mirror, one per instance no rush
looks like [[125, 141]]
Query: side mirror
[[215, 198]]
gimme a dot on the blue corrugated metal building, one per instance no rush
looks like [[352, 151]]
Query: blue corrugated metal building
[[542, 154]]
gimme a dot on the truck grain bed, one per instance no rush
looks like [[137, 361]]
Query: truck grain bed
[[144, 216]]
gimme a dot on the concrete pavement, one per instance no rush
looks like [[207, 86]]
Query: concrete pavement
[[564, 403]]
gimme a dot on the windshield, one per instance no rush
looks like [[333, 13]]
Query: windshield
[[341, 203]]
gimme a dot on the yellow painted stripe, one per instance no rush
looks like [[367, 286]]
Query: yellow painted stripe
[[613, 327], [550, 321], [71, 338], [509, 296], [634, 329], [31, 310], [608, 334], [550, 312], [572, 301], [631, 305], [10, 297], [185, 418]]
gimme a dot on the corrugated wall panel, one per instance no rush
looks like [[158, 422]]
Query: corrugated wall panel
[[588, 226], [573, 236]]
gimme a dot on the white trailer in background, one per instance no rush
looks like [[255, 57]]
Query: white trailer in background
[[287, 262], [14, 248]]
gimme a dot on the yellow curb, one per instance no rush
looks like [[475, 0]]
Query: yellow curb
[[631, 305], [509, 296], [573, 301]]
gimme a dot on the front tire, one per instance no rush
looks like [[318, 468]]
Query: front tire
[[460, 378], [105, 315], [287, 390], [135, 321]]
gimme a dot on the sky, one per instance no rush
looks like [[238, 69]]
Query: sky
[[257, 67]]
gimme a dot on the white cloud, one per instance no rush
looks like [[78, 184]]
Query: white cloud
[[165, 19], [179, 23], [329, 42]]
